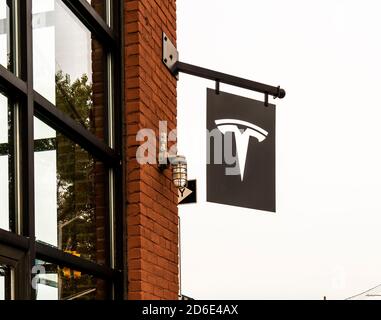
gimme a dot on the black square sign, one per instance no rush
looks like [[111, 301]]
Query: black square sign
[[241, 151]]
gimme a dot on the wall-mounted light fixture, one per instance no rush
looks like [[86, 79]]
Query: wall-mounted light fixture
[[180, 173], [176, 162]]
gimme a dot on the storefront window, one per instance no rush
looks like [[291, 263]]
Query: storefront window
[[61, 283], [69, 65], [57, 172], [69, 196]]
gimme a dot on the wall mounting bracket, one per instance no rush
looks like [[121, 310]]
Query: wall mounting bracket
[[171, 60], [170, 55]]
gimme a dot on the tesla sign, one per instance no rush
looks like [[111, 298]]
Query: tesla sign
[[241, 151]]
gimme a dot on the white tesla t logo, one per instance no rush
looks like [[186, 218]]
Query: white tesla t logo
[[242, 137]]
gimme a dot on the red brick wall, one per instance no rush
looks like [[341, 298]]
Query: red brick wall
[[152, 217]]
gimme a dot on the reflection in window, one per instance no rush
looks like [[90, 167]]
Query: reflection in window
[[5, 38], [5, 283], [69, 65], [6, 140], [61, 283], [7, 221], [70, 196], [99, 6]]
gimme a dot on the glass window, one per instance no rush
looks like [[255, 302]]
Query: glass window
[[61, 283], [5, 282], [99, 6], [70, 196], [69, 65], [5, 38], [6, 166]]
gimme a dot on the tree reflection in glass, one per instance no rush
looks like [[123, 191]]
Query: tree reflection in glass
[[71, 207], [67, 284], [76, 221], [69, 65], [80, 181]]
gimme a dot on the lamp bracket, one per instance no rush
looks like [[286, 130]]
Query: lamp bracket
[[165, 158]]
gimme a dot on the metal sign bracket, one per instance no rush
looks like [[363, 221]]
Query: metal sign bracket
[[171, 61], [170, 54]]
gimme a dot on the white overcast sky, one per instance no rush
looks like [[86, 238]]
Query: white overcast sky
[[324, 239]]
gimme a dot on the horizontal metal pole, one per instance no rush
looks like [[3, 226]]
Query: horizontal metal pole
[[228, 79], [54, 255], [54, 117]]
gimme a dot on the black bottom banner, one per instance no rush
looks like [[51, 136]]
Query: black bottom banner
[[188, 309]]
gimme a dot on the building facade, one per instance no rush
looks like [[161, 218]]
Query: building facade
[[80, 218]]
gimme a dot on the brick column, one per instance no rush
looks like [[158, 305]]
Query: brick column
[[150, 91]]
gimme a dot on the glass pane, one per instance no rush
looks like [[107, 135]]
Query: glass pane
[[71, 206], [69, 65], [5, 38], [60, 283], [99, 6], [5, 283], [6, 166]]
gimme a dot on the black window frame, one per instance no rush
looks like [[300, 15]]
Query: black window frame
[[19, 88]]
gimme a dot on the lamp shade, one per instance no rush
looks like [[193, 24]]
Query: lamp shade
[[180, 172]]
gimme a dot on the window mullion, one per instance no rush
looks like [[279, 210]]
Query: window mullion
[[27, 141]]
